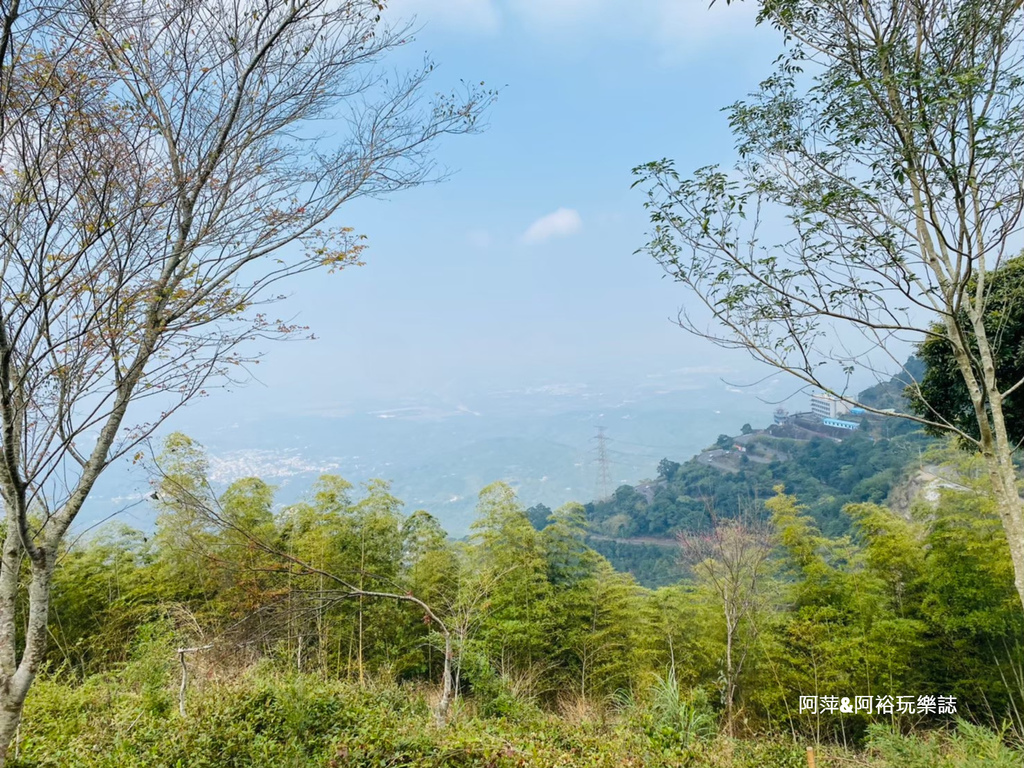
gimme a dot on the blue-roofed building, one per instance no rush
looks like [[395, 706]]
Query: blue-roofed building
[[840, 424]]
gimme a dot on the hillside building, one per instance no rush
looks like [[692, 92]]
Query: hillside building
[[826, 406]]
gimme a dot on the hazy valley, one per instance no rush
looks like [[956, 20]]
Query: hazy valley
[[439, 453]]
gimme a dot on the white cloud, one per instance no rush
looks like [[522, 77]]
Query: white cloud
[[479, 16], [563, 222]]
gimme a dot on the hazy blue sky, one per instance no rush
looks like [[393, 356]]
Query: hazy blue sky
[[520, 268]]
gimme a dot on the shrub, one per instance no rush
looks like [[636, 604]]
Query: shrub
[[967, 747]]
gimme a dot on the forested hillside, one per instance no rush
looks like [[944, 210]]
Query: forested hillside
[[289, 633], [827, 474], [636, 525]]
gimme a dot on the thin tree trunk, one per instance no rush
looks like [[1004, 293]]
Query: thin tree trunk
[[362, 566], [321, 627], [446, 684], [14, 687], [458, 668], [994, 441], [728, 676], [583, 677], [183, 688], [10, 571], [1004, 478], [1011, 511], [10, 717]]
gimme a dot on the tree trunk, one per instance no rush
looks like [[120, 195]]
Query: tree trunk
[[1011, 511], [10, 717], [441, 715], [728, 676], [994, 442], [14, 687], [730, 630], [999, 457], [362, 566], [10, 574]]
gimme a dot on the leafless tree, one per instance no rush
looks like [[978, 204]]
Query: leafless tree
[[162, 165], [731, 558]]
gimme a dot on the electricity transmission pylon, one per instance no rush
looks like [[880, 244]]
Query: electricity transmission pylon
[[603, 475]]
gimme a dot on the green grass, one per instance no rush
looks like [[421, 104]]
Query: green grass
[[268, 719]]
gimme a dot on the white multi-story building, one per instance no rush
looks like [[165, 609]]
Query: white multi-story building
[[828, 406]]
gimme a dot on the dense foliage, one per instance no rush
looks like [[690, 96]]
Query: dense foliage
[[825, 474], [652, 564]]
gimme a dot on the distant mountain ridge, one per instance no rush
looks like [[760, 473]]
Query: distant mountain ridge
[[890, 394]]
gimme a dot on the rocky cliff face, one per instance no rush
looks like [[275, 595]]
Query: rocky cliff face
[[923, 484]]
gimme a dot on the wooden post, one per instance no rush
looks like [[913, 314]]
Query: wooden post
[[184, 682], [810, 757], [184, 674]]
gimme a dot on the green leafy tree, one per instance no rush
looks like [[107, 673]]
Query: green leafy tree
[[569, 559], [246, 507], [687, 634], [538, 514], [892, 551], [361, 542], [607, 640], [970, 603], [598, 625], [509, 559], [184, 535], [853, 619], [431, 569], [318, 532], [667, 469], [104, 591], [377, 532]]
